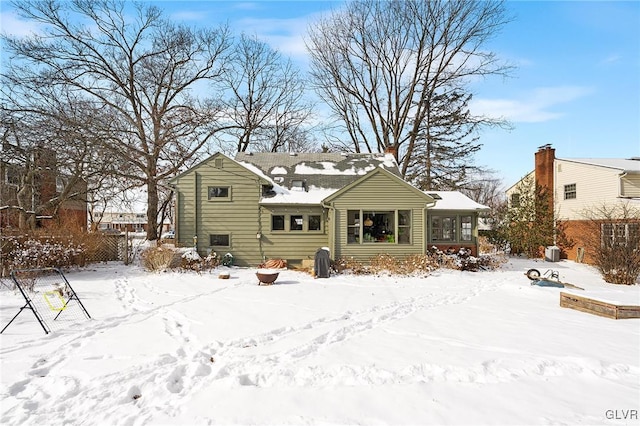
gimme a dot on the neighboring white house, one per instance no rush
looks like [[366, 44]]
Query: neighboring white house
[[580, 185]]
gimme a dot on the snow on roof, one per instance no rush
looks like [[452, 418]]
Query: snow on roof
[[631, 165], [283, 195], [454, 200], [329, 168]]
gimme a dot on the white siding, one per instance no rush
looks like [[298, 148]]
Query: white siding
[[595, 186], [517, 187]]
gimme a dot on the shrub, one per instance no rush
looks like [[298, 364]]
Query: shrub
[[158, 258], [420, 263], [28, 253], [611, 236]]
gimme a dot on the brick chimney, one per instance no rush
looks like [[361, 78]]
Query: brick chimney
[[393, 150], [544, 162]]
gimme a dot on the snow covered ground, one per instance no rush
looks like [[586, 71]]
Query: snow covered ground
[[451, 348]]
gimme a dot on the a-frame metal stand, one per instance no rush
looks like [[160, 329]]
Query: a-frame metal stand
[[46, 282]]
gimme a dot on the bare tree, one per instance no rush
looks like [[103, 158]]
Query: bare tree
[[57, 162], [139, 72], [390, 72], [266, 105]]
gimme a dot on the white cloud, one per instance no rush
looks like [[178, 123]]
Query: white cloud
[[12, 25], [535, 106], [611, 59]]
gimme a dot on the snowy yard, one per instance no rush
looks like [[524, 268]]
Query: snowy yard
[[452, 348]]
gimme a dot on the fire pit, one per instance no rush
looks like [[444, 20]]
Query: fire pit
[[267, 277]]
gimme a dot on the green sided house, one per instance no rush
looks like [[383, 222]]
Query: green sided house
[[279, 205]]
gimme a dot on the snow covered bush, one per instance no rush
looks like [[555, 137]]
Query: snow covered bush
[[28, 253]]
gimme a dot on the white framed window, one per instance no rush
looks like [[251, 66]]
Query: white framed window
[[570, 191], [620, 234]]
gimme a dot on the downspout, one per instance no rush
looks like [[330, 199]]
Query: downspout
[[331, 218], [425, 237], [620, 192], [196, 206], [259, 233]]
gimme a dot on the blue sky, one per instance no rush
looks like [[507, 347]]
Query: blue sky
[[576, 86]]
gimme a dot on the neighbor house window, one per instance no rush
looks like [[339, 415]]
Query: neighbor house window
[[219, 193], [277, 222], [315, 223], [219, 240], [60, 184], [570, 192], [443, 228], [465, 228], [620, 234], [12, 176], [515, 200], [296, 222]]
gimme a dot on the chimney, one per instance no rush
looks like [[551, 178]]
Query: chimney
[[393, 150], [544, 162]]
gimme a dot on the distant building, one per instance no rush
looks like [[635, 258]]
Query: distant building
[[122, 221], [580, 184], [33, 175]]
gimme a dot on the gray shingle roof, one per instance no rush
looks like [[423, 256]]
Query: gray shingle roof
[[320, 170]]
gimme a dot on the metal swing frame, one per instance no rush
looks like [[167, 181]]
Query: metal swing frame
[[28, 305]]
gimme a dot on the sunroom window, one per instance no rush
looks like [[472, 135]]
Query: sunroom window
[[443, 228]]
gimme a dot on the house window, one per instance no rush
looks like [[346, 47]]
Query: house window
[[375, 227], [267, 191], [515, 200], [60, 184], [219, 240], [218, 163], [620, 234], [298, 185], [12, 176], [296, 222], [465, 228], [570, 192], [404, 227], [277, 222], [443, 228], [315, 223], [219, 193]]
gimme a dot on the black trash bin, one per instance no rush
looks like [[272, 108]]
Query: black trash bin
[[322, 263]]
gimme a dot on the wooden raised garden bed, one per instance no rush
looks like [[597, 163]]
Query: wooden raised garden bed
[[598, 307]]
